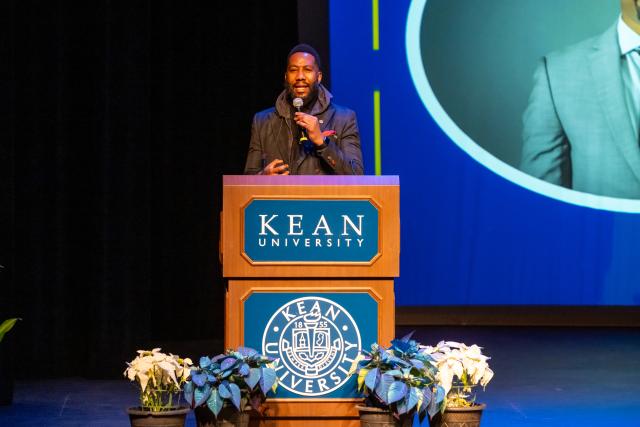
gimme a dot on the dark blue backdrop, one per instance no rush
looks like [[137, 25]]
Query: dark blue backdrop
[[469, 235]]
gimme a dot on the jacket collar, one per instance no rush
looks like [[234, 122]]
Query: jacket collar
[[320, 106]]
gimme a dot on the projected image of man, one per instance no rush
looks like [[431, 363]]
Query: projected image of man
[[581, 123], [305, 133]]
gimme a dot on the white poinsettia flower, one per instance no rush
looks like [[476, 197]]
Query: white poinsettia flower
[[474, 350], [453, 344], [445, 377], [469, 365], [143, 379], [438, 357], [428, 349], [460, 365], [157, 373], [131, 374], [457, 368], [477, 373], [488, 374], [144, 365]]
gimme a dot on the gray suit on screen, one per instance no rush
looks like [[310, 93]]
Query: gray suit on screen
[[577, 131]]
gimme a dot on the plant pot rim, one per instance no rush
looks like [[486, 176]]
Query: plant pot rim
[[364, 408], [178, 410], [229, 408], [472, 408]]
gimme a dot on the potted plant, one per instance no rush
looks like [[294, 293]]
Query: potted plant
[[160, 378], [461, 369], [6, 367], [397, 382], [224, 388]]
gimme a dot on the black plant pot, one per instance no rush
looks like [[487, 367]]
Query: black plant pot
[[6, 375], [459, 417], [228, 417], [376, 417], [138, 417]]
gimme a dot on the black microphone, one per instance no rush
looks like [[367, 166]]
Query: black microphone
[[297, 103]]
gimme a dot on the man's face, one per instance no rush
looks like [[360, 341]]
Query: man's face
[[302, 76]]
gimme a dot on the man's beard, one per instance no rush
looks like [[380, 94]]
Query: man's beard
[[307, 100]]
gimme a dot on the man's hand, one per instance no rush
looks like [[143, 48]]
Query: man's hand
[[311, 124], [276, 167]]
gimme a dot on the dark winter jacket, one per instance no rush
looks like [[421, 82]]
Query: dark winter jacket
[[274, 135]]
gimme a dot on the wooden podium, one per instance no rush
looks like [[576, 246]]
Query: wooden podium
[[310, 262]]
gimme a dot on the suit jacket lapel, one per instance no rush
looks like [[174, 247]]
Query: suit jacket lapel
[[605, 63]]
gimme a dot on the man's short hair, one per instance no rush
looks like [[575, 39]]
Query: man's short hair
[[303, 47]]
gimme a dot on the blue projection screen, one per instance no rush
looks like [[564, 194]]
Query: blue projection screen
[[440, 88]]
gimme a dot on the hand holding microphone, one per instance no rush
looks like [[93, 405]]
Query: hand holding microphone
[[309, 124]]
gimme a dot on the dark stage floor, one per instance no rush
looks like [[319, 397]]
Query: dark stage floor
[[557, 377]]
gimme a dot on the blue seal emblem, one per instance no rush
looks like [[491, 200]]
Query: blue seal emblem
[[316, 340]]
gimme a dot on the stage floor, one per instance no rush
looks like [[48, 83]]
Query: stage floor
[[558, 377]]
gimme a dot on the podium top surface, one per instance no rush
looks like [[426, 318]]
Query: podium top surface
[[299, 180]]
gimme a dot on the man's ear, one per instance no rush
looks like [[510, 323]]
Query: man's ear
[[320, 73]]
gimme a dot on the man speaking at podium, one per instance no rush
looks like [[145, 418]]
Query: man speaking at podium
[[305, 133]]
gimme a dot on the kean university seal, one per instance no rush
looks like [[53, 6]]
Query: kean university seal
[[316, 341]]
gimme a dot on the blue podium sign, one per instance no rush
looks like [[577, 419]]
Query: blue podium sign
[[321, 230], [316, 337]]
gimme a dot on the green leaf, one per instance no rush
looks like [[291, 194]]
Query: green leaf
[[382, 389], [413, 398], [228, 363], [394, 373], [432, 409], [427, 395], [267, 380], [201, 394], [235, 395], [361, 377], [6, 326], [247, 351], [254, 376], [188, 390], [397, 391], [205, 362], [401, 406], [439, 394], [215, 402], [224, 390], [372, 378]]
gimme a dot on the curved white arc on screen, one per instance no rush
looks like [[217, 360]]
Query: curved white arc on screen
[[419, 77]]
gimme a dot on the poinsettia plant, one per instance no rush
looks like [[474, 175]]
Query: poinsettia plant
[[400, 378], [460, 369], [237, 378], [160, 377]]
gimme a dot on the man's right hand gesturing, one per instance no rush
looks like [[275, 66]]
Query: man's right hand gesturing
[[276, 167]]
